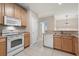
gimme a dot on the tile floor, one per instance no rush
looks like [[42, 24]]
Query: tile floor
[[39, 50]]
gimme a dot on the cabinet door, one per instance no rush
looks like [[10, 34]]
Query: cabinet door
[[9, 9], [26, 39], [2, 47], [67, 44], [23, 17], [57, 42], [1, 13], [76, 45], [17, 11]]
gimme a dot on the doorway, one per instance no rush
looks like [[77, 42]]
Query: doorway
[[42, 29]]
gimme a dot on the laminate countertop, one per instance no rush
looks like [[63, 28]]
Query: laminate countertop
[[58, 33]]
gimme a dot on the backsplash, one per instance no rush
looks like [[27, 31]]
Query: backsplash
[[75, 33], [20, 29]]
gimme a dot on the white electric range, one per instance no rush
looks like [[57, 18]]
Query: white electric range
[[15, 41]]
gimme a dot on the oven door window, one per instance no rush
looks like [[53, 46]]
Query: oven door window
[[16, 42]]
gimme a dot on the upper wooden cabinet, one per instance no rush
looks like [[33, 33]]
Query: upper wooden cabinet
[[1, 12], [20, 13], [17, 11], [23, 17], [13, 10], [9, 10]]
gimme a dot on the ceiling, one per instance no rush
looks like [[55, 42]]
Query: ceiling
[[48, 9]]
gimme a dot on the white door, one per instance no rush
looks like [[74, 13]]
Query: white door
[[33, 28]]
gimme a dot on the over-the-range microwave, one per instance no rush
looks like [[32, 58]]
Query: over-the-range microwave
[[11, 21]]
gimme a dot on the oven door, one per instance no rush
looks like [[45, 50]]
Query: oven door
[[14, 42]]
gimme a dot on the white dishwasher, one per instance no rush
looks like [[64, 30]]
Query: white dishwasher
[[48, 40]]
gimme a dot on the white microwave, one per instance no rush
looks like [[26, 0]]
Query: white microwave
[[11, 21]]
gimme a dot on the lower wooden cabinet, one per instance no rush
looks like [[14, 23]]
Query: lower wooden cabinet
[[76, 46], [3, 47], [26, 39], [67, 44], [57, 42]]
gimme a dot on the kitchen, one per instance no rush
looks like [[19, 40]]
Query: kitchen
[[26, 29]]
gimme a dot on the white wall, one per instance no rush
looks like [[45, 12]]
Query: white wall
[[60, 22]]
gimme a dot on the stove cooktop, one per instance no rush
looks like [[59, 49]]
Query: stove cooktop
[[11, 32]]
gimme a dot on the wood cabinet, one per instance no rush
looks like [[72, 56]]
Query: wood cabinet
[[78, 47], [13, 10], [26, 39], [9, 9], [17, 11], [57, 42], [75, 45], [20, 13], [64, 43], [67, 43], [1, 13], [2, 47], [23, 17]]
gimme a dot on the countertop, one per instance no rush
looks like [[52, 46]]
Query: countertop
[[59, 33]]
